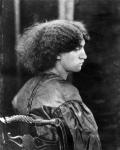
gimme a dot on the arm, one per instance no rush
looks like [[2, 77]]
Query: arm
[[81, 124]]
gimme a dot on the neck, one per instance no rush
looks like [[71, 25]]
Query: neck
[[59, 70]]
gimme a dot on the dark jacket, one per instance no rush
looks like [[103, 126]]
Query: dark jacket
[[49, 96]]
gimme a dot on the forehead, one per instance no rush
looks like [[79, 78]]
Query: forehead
[[82, 43]]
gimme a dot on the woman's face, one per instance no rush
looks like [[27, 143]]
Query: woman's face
[[72, 61]]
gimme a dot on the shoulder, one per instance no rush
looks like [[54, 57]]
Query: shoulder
[[67, 90], [55, 91], [50, 92], [21, 98]]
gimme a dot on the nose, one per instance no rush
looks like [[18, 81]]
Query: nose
[[83, 54]]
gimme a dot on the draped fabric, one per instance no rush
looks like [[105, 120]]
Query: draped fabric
[[81, 124], [49, 96]]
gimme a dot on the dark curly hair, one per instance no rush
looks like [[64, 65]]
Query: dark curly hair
[[39, 46]]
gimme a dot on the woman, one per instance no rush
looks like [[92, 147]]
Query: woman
[[51, 51]]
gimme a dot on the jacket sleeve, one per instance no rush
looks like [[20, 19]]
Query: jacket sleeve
[[81, 124]]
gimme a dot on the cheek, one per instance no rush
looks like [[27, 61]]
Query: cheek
[[66, 63], [70, 63], [72, 59]]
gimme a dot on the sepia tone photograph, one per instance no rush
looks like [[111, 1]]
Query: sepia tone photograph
[[59, 74]]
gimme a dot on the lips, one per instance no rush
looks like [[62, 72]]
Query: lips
[[82, 63]]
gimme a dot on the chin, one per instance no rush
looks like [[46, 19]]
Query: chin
[[77, 70]]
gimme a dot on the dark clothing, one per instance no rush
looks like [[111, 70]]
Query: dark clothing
[[49, 96]]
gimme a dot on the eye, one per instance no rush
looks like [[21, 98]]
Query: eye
[[78, 48]]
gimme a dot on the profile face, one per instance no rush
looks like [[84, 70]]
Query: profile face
[[72, 61]]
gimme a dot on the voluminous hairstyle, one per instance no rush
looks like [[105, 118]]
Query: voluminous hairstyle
[[40, 44]]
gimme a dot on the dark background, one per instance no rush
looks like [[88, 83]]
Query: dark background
[[99, 79]]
